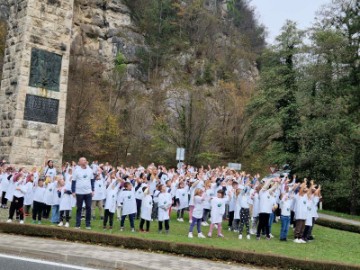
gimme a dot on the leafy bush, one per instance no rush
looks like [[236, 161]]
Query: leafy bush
[[338, 225], [190, 250]]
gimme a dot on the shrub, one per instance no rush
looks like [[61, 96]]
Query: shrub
[[190, 250], [338, 225]]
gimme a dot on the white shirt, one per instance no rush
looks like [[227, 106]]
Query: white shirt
[[139, 194], [301, 205], [146, 207], [83, 180], [164, 204], [285, 205], [128, 201], [218, 209], [39, 193], [50, 172], [111, 196], [20, 193], [99, 189], [267, 202], [198, 207], [182, 196]]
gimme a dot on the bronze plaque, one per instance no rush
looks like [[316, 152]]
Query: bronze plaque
[[40, 109], [45, 70]]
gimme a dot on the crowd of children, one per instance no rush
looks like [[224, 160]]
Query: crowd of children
[[149, 194]]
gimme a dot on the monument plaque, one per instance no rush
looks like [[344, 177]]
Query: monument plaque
[[40, 109], [45, 69]]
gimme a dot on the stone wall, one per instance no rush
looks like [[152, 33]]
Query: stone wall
[[4, 10], [45, 25]]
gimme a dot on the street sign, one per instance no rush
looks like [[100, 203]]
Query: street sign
[[235, 166], [180, 154], [273, 169]]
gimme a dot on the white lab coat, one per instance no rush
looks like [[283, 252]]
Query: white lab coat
[[146, 207], [182, 196], [111, 196], [28, 198], [99, 190], [65, 199], [128, 202], [218, 209], [164, 204]]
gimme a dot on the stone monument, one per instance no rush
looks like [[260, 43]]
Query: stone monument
[[35, 79]]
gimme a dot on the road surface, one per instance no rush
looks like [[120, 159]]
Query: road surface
[[13, 262]]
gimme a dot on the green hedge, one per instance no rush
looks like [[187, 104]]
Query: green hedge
[[198, 251], [338, 225]]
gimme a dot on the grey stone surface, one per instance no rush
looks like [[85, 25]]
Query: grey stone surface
[[4, 10], [104, 257]]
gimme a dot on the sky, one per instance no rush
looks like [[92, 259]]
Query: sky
[[274, 13]]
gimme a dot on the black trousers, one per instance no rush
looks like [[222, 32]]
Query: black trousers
[[37, 211], [231, 218], [138, 207], [17, 205], [3, 199], [67, 215], [142, 221], [263, 224], [180, 213], [206, 215], [292, 218], [167, 226], [108, 216], [46, 211]]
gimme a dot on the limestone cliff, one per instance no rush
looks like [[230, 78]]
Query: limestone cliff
[[101, 30], [4, 10]]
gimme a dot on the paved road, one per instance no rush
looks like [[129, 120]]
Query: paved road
[[339, 219], [13, 262], [99, 257]]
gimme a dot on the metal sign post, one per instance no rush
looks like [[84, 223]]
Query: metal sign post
[[235, 166], [180, 156]]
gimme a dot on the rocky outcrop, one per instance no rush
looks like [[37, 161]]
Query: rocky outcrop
[[4, 11], [102, 29]]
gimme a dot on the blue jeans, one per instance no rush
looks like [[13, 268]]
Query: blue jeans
[[271, 220], [55, 214], [131, 218], [197, 222], [80, 199], [285, 223]]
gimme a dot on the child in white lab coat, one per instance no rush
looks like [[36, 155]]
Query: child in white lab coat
[[182, 200], [38, 203], [164, 204], [65, 205], [110, 203], [199, 198], [128, 202], [217, 211], [99, 195], [17, 197], [146, 209]]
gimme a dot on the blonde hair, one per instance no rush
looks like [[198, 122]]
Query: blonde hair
[[208, 184], [198, 192]]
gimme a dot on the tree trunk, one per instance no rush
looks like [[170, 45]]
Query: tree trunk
[[354, 200]]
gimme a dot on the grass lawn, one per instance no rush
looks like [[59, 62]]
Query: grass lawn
[[330, 244], [342, 215]]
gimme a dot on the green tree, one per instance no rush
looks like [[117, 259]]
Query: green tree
[[273, 112]]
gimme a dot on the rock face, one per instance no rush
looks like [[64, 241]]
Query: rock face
[[102, 29], [4, 10]]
